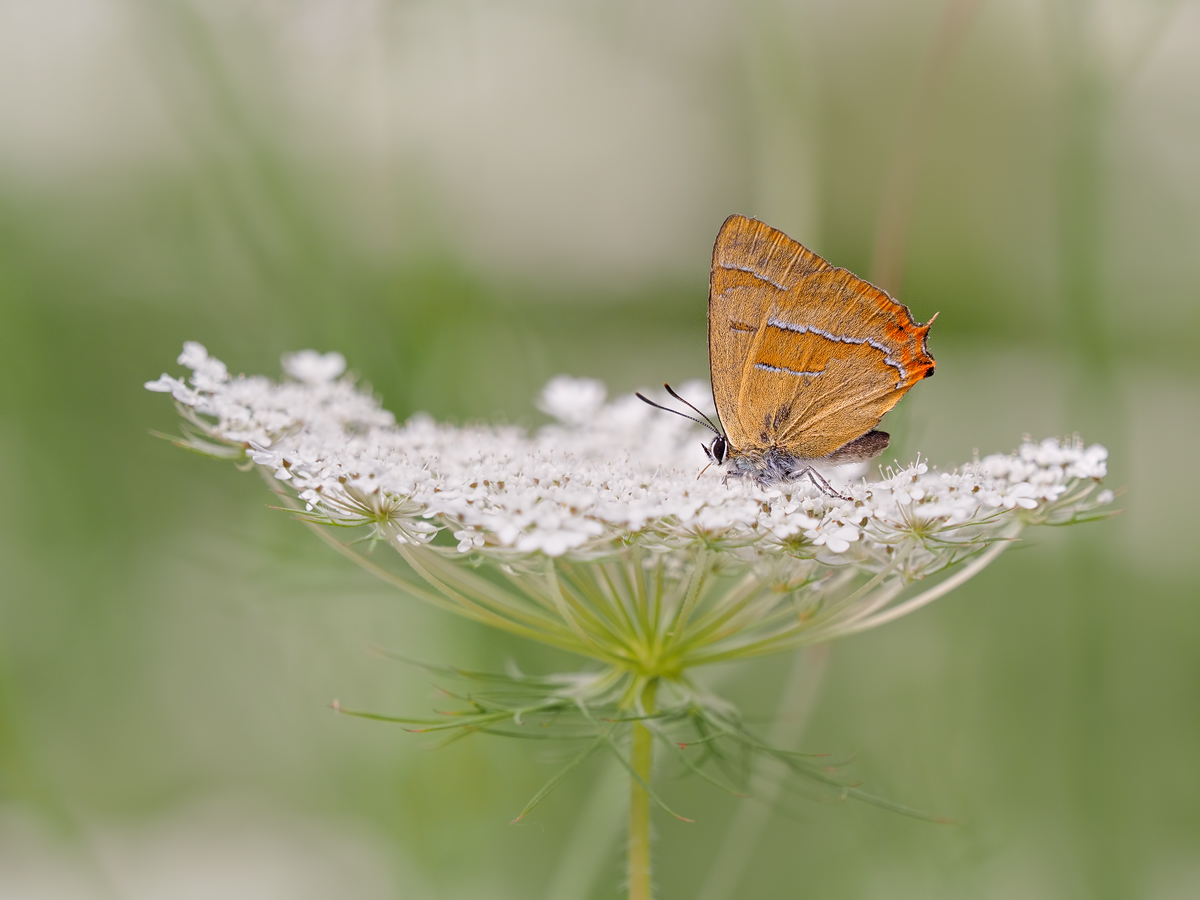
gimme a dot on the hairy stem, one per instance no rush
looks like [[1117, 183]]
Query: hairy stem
[[640, 886]]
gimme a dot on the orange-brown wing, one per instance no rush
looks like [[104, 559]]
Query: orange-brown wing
[[804, 356], [753, 265]]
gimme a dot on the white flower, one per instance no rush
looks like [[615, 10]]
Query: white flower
[[207, 373], [836, 537], [469, 539], [176, 388], [194, 355], [572, 400], [312, 367]]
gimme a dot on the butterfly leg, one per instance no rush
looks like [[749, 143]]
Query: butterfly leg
[[819, 480]]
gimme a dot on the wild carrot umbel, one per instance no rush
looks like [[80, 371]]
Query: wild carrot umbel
[[595, 535]]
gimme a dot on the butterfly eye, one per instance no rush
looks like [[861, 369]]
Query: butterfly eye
[[720, 447]]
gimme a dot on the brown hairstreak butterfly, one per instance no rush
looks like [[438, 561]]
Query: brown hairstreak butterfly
[[805, 358]]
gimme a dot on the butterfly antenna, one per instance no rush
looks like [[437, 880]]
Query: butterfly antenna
[[704, 421], [671, 391]]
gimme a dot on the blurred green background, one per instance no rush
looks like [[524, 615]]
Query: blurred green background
[[467, 198]]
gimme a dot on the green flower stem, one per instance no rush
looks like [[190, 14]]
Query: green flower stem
[[640, 887]]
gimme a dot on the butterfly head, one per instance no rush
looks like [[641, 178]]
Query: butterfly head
[[717, 449]]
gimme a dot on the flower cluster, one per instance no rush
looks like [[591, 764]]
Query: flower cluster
[[600, 534], [603, 475]]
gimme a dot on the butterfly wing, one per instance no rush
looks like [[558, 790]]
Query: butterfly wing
[[805, 356]]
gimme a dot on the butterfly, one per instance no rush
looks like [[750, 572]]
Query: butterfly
[[805, 358]]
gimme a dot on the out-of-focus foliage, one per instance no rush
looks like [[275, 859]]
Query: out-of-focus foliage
[[467, 199]]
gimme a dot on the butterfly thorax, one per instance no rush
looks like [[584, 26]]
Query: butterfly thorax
[[770, 466]]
